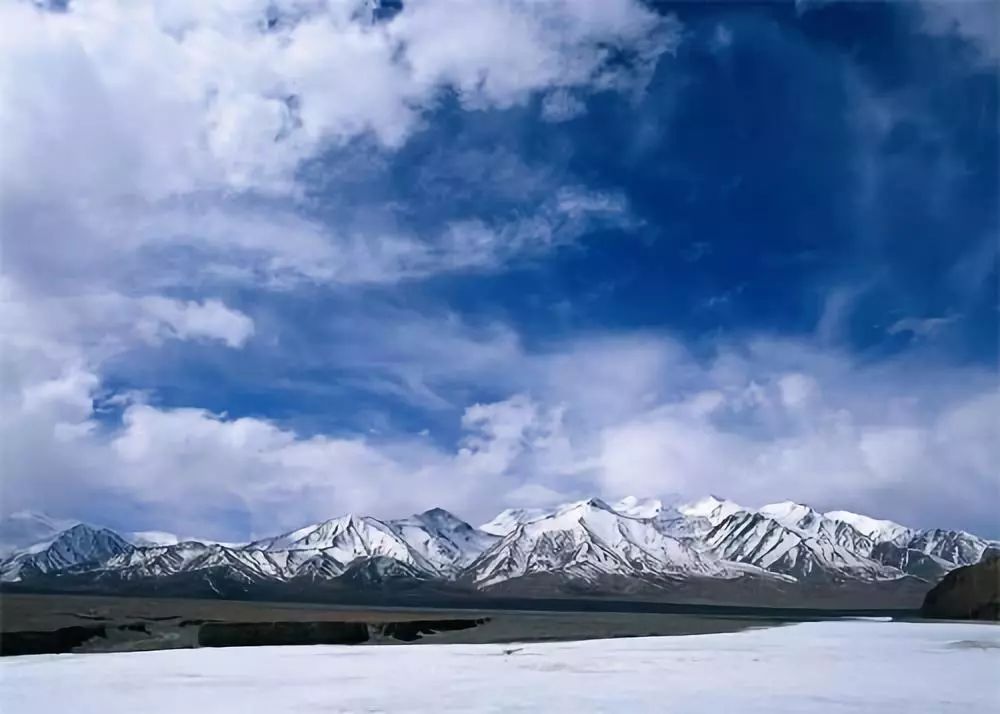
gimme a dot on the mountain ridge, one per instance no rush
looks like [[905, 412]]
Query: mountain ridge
[[633, 545]]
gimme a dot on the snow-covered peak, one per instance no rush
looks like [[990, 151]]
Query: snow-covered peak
[[956, 547], [508, 520], [785, 510], [445, 541], [78, 545], [639, 507], [766, 541], [878, 530], [320, 535], [594, 512], [794, 515], [344, 540], [437, 519], [588, 540], [713, 508], [581, 508]]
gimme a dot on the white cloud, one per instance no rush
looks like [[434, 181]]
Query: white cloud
[[921, 327], [154, 147], [165, 97], [89, 328], [210, 319], [516, 434], [758, 421], [797, 390]]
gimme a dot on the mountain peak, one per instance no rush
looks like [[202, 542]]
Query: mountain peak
[[439, 515], [587, 503], [509, 519], [786, 509], [584, 540], [639, 507], [879, 530], [713, 508]]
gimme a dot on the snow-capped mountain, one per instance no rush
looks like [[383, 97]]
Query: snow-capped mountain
[[917, 550], [327, 549], [956, 547], [880, 531], [430, 544], [77, 546], [24, 529], [758, 539], [811, 523], [587, 540], [446, 542], [243, 563], [589, 543], [345, 539]]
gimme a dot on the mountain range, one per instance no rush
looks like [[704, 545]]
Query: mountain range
[[712, 548]]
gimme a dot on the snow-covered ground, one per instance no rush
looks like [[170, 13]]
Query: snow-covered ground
[[829, 667]]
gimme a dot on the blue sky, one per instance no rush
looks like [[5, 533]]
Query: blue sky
[[272, 262]]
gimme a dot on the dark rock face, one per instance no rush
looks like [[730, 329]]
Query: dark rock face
[[413, 630], [242, 634], [969, 593], [48, 642]]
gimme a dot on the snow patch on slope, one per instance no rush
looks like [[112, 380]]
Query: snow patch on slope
[[508, 520], [880, 531]]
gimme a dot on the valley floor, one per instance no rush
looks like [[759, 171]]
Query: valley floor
[[830, 667]]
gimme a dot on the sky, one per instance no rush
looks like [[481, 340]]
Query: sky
[[266, 262]]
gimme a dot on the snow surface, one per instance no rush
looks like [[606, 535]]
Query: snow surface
[[506, 522], [829, 667], [877, 529], [713, 508], [634, 507]]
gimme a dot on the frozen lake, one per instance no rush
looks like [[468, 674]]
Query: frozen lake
[[830, 667]]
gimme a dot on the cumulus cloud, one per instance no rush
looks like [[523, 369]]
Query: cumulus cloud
[[91, 327], [210, 319], [166, 143], [759, 421], [169, 97]]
